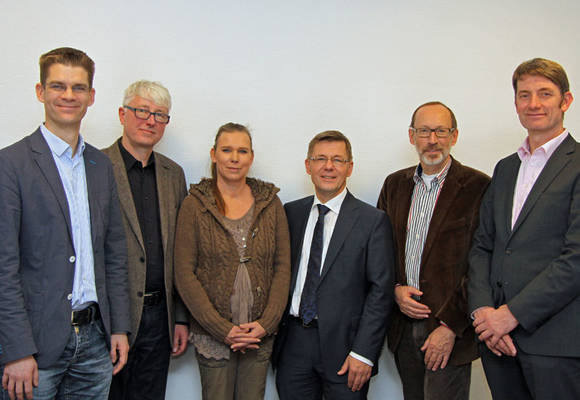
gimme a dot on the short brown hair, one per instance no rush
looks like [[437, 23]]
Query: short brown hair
[[330, 136], [542, 67], [66, 56], [434, 103]]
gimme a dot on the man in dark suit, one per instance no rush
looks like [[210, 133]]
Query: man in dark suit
[[525, 262], [433, 208], [333, 330], [64, 306], [151, 188]]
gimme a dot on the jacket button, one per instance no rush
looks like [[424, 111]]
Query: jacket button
[[499, 284], [72, 259], [140, 294], [508, 251], [69, 297], [142, 259]]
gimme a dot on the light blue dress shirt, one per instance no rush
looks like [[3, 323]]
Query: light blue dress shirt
[[74, 180]]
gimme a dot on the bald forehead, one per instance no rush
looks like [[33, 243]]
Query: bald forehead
[[433, 114]]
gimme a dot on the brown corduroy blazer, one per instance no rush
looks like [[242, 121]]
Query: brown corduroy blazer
[[444, 264]]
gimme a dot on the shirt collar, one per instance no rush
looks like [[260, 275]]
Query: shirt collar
[[59, 146], [131, 161], [334, 204], [440, 176], [547, 148]]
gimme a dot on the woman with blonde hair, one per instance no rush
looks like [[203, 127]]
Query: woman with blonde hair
[[232, 269]]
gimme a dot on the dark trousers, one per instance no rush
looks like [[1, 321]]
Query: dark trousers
[[449, 383], [145, 375], [301, 375], [528, 376]]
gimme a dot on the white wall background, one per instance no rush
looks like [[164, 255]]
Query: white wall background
[[290, 70]]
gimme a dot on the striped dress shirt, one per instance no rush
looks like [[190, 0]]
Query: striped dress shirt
[[420, 212]]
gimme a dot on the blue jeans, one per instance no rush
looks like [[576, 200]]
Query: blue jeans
[[83, 371]]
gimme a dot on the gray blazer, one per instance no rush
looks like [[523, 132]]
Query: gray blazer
[[171, 190], [37, 253], [534, 268]]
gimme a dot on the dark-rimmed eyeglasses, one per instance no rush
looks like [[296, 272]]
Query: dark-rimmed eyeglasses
[[425, 132], [143, 113]]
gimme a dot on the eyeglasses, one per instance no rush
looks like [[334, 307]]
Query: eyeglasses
[[142, 113], [336, 161], [440, 132]]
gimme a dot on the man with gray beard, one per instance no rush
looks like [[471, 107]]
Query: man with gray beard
[[433, 208]]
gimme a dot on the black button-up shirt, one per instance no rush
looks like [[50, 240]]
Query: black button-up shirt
[[144, 189]]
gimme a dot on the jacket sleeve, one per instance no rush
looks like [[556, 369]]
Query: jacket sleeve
[[454, 311], [16, 338], [117, 278], [480, 255], [380, 268], [188, 286], [181, 314], [278, 295]]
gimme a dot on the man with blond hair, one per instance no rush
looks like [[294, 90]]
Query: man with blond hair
[[524, 287], [151, 188]]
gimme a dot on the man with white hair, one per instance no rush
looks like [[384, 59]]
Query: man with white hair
[[151, 188]]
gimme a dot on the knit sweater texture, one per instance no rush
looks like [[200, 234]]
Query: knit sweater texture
[[207, 259]]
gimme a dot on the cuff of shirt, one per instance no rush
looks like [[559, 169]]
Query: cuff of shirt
[[361, 358]]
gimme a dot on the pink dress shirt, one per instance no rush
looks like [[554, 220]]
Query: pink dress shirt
[[530, 168]]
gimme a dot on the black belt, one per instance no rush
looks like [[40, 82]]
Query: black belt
[[86, 315], [298, 321], [152, 298]]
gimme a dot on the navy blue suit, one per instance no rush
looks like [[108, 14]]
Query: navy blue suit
[[355, 293]]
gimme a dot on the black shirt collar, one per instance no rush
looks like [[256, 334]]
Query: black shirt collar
[[130, 161]]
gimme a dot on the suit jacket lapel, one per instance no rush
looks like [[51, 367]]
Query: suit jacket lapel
[[43, 157], [92, 176], [404, 194], [164, 194], [344, 224], [555, 164], [298, 239], [125, 195], [505, 196], [449, 192]]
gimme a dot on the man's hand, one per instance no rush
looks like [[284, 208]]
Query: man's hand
[[491, 324], [438, 347], [409, 306], [242, 338], [119, 351], [505, 345], [180, 335], [20, 377], [358, 373]]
